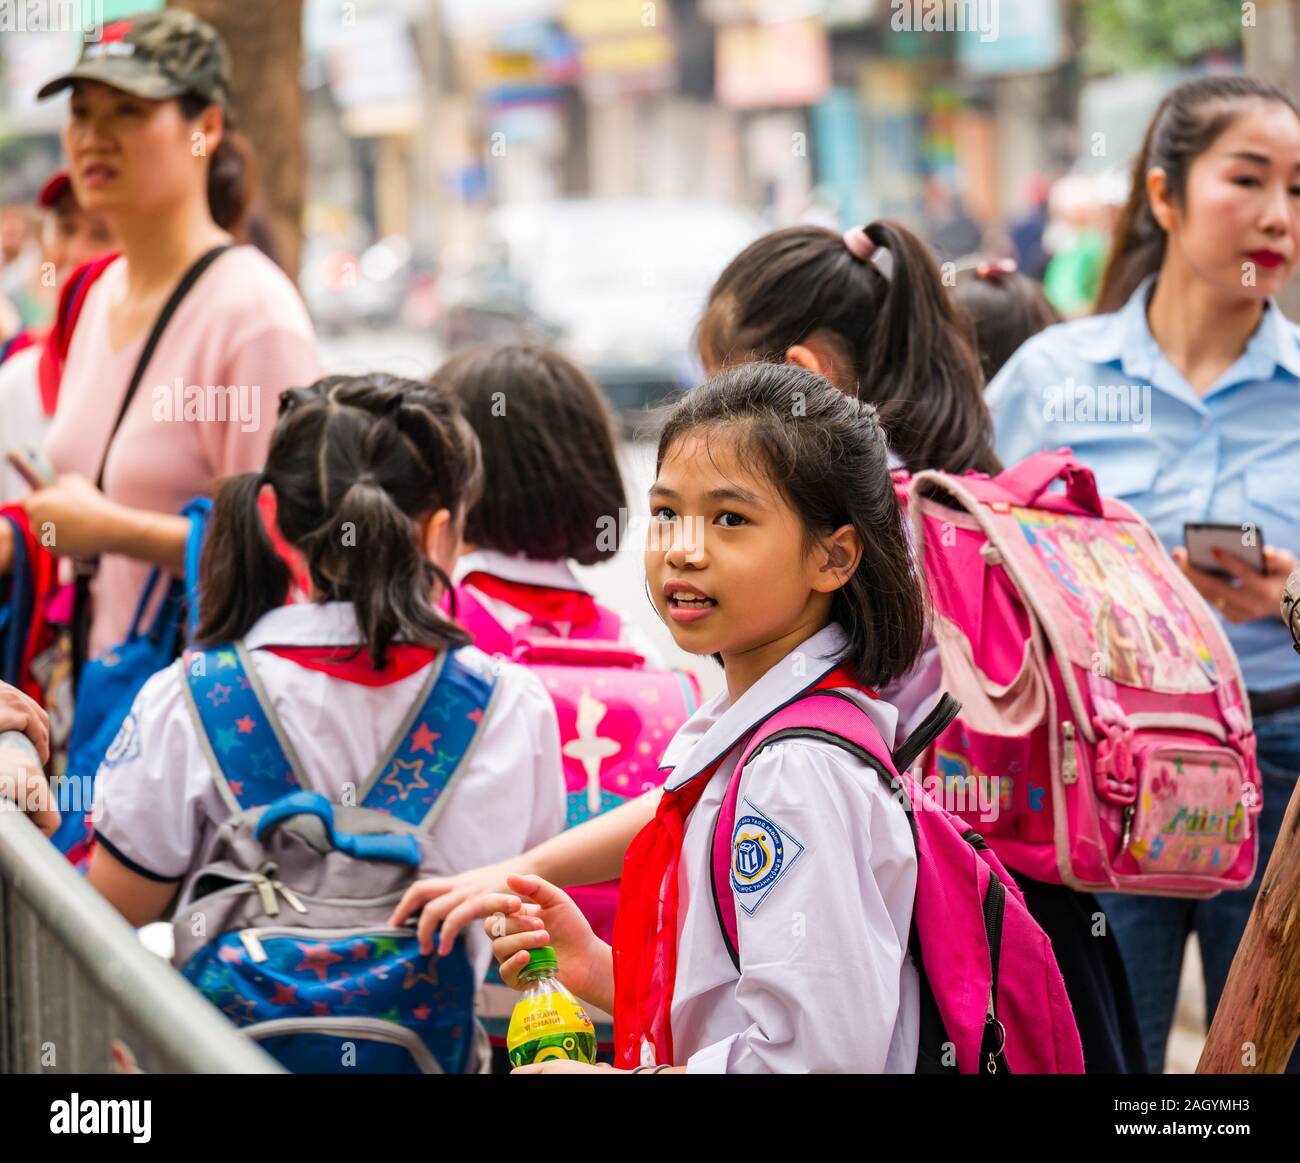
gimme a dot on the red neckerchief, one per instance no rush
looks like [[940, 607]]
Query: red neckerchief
[[351, 665], [541, 603], [645, 926]]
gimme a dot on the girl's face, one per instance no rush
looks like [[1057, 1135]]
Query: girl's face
[[1238, 225], [130, 157], [727, 561], [71, 237]]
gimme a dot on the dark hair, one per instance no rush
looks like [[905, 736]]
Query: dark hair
[[1005, 308], [231, 169], [826, 453], [906, 348], [548, 449], [354, 463], [1186, 123]]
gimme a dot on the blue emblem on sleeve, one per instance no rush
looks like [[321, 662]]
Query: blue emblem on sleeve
[[126, 743], [762, 852]]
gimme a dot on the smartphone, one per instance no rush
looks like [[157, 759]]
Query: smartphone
[[1202, 538], [32, 467]]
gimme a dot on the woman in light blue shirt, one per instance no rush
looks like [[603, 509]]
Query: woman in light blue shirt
[[1183, 395]]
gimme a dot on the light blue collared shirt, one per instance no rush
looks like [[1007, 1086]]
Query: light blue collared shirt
[[1102, 386]]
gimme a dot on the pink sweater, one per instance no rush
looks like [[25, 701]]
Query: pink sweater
[[205, 408]]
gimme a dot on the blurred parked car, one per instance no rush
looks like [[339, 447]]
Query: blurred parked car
[[616, 284], [345, 287]]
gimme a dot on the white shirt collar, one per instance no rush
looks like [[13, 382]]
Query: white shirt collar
[[306, 624], [517, 568], [718, 725]]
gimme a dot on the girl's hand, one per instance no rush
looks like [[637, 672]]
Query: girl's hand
[[1254, 595], [79, 517], [20, 712], [565, 1066], [449, 901], [23, 784], [536, 913]]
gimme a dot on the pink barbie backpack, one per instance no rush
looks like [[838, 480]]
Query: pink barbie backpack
[[992, 997], [616, 716], [1105, 738]]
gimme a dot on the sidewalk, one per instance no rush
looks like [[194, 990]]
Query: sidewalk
[[1188, 1035]]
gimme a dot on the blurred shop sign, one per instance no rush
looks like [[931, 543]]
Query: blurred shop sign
[[830, 12], [488, 17], [764, 66], [375, 76], [1010, 36], [625, 46]]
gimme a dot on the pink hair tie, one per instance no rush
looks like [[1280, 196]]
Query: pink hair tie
[[995, 270], [860, 246]]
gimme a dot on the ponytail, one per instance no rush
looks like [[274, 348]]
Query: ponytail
[[921, 366], [231, 170], [1187, 123], [888, 318], [243, 575], [373, 557]]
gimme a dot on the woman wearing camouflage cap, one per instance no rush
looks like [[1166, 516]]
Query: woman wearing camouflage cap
[[150, 148]]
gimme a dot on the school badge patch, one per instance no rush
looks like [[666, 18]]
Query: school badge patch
[[762, 852], [125, 745]]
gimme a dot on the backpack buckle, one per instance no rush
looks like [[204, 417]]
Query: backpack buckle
[[1113, 771]]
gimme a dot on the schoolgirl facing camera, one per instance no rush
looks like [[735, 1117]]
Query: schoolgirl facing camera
[[371, 477], [803, 576]]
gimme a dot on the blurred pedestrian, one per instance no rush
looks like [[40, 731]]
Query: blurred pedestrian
[[69, 238], [151, 149], [1187, 321], [1005, 308]]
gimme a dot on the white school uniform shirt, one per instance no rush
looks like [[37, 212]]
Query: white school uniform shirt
[[158, 803], [826, 983], [557, 575]]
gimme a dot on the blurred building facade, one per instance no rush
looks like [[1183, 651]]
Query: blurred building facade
[[423, 115]]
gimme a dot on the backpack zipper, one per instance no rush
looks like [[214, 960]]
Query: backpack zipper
[[994, 905], [1069, 760], [251, 938]]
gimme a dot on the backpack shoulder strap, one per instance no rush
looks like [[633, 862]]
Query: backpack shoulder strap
[[434, 743], [820, 715], [54, 352], [252, 759]]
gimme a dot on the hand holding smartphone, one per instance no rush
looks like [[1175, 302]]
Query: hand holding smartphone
[[1202, 538], [32, 467]]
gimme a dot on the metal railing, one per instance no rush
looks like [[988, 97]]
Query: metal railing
[[76, 984]]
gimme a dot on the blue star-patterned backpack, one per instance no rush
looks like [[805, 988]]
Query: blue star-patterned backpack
[[284, 924]]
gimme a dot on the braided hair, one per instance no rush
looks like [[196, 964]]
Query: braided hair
[[356, 463]]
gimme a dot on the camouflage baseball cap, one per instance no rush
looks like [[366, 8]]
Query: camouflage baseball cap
[[155, 55]]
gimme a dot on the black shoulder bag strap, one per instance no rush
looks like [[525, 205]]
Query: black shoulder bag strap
[[86, 570]]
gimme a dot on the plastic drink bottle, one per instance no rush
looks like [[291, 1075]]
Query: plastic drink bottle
[[548, 1021]]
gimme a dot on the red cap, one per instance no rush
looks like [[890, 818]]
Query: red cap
[[55, 187]]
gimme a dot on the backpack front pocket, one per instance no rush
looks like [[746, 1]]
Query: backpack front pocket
[[1192, 812], [374, 977]]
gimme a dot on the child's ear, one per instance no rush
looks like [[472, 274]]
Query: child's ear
[[442, 539], [840, 554]]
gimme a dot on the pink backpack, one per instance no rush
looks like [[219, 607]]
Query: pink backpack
[[1105, 738], [616, 716], [992, 997]]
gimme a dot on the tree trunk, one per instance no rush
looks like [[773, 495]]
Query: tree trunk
[[1258, 1016], [265, 42]]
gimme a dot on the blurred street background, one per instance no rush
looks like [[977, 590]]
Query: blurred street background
[[440, 173]]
